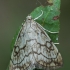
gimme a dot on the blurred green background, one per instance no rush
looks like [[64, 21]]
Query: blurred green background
[[14, 12]]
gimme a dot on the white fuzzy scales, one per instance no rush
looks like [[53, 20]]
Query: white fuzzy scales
[[34, 49]]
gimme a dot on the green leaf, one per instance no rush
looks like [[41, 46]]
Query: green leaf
[[50, 18], [14, 38]]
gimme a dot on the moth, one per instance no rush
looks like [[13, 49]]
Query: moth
[[33, 48]]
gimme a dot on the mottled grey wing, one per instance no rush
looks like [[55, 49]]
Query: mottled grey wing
[[51, 58], [33, 49]]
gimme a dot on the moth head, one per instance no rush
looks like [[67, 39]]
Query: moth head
[[28, 17]]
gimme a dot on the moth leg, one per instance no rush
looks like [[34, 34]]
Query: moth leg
[[56, 43], [51, 32], [47, 30]]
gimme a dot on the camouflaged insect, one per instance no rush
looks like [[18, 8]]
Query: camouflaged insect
[[34, 49]]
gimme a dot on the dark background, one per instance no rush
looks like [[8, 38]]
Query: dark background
[[14, 12]]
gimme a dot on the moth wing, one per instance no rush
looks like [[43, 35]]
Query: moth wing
[[33, 49], [48, 54], [19, 57]]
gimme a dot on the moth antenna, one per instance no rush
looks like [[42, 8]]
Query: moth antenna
[[39, 2], [39, 15]]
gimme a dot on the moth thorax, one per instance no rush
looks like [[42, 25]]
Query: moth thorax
[[29, 17]]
